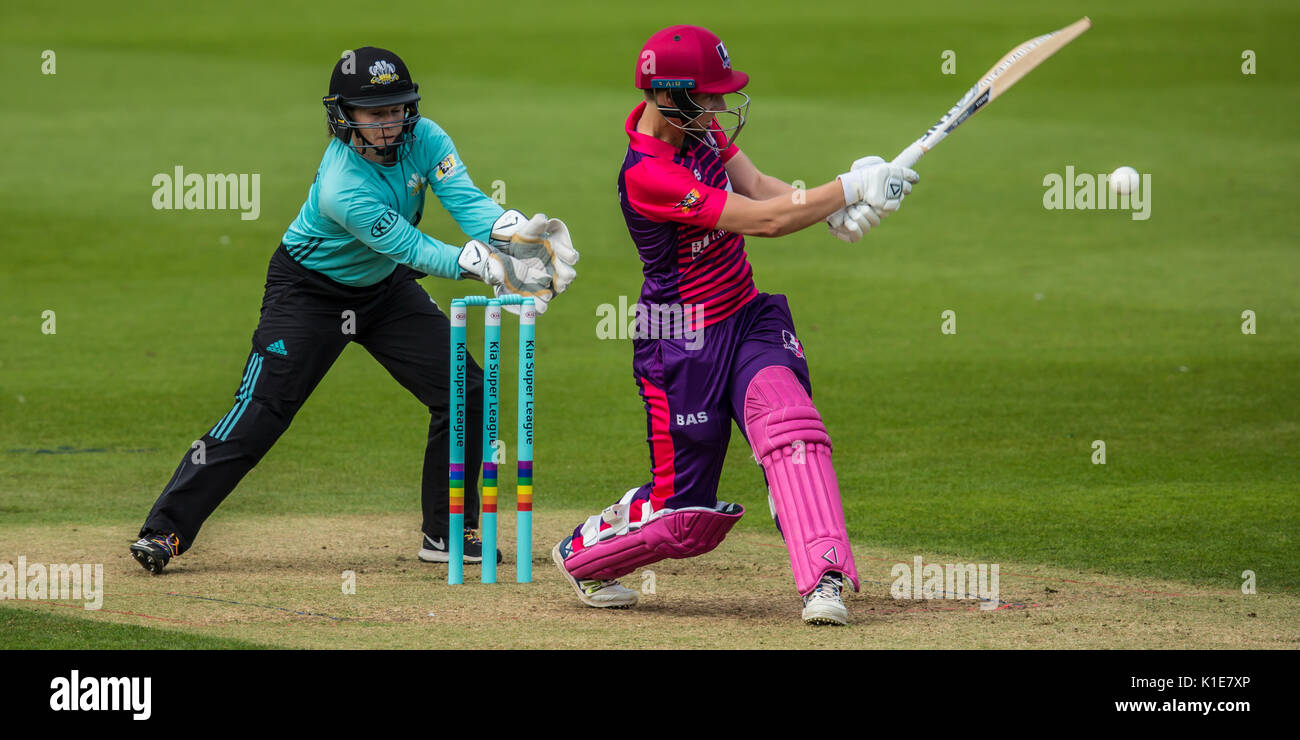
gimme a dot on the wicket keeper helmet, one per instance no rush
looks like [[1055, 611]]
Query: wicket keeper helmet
[[371, 78], [689, 59]]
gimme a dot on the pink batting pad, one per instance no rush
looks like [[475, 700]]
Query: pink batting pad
[[791, 443], [680, 533]]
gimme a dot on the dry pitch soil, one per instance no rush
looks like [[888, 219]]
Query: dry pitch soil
[[280, 581]]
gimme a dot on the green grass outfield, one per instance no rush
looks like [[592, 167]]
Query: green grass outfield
[[25, 629], [1073, 326]]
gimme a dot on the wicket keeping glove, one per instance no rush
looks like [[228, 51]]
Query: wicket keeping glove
[[506, 274], [541, 239], [506, 225]]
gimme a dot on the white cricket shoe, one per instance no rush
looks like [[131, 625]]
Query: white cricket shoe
[[824, 605], [601, 594]]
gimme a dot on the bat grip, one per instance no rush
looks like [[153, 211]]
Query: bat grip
[[910, 156]]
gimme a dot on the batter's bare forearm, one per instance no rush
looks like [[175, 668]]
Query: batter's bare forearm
[[810, 206], [771, 187], [747, 180], [783, 214]]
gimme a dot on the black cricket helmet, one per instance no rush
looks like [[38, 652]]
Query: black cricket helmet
[[370, 77]]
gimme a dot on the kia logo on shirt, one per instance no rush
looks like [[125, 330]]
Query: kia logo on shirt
[[385, 222]]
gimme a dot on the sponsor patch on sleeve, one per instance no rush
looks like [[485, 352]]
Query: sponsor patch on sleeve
[[446, 167], [691, 200], [384, 223]]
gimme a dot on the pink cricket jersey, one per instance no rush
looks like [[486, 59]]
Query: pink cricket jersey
[[672, 199]]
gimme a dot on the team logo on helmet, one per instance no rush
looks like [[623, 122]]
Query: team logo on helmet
[[383, 72], [722, 52], [792, 343]]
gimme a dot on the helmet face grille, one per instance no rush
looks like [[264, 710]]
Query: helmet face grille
[[370, 77], [350, 133], [730, 119]]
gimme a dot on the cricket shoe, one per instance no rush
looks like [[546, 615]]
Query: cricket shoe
[[601, 594], [435, 550], [824, 605], [154, 551]]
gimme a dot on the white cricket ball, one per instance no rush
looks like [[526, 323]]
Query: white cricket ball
[[1124, 180]]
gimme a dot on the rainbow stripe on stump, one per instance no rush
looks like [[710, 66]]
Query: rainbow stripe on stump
[[456, 466]]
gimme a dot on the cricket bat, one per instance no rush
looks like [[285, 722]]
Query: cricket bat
[[1016, 64]]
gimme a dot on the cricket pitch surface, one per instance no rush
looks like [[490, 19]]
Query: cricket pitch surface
[[280, 582]]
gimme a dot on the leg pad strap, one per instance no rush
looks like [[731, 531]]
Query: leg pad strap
[[672, 533]]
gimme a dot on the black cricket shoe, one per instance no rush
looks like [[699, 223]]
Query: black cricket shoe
[[435, 550], [154, 551]]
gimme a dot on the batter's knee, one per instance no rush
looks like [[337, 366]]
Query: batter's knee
[[253, 425], [779, 412]]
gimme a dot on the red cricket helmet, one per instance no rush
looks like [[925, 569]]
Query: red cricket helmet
[[688, 53], [690, 59]]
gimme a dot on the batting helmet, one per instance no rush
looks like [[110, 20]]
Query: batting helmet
[[371, 78], [689, 59]]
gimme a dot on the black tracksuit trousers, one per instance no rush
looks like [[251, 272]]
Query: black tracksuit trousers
[[302, 330]]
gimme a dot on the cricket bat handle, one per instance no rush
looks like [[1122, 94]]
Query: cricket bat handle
[[910, 156]]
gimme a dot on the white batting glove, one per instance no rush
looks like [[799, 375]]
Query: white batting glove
[[879, 184], [840, 230], [852, 222]]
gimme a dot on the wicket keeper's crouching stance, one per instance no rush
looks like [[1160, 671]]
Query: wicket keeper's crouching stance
[[688, 195], [354, 247]]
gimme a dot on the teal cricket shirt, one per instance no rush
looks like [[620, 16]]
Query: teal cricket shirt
[[358, 222]]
